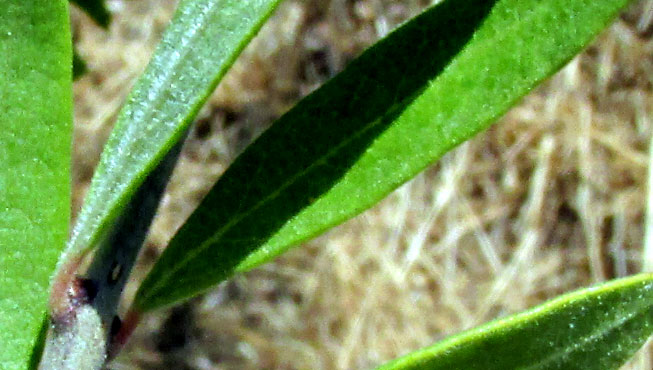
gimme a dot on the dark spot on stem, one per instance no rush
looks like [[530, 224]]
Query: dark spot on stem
[[80, 291], [90, 288]]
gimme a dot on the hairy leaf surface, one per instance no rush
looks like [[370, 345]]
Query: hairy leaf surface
[[35, 135], [197, 48], [597, 328]]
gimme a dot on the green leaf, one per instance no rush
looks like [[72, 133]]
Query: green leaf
[[198, 47], [36, 113], [96, 10], [595, 328], [425, 88]]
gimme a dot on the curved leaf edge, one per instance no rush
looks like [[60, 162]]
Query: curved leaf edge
[[286, 237], [80, 244], [422, 357], [270, 249]]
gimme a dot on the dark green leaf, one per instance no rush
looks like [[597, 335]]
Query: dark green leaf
[[592, 329], [427, 87], [36, 112]]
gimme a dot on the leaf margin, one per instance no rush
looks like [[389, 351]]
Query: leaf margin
[[276, 244], [427, 358], [116, 186]]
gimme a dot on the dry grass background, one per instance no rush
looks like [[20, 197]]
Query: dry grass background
[[550, 199]]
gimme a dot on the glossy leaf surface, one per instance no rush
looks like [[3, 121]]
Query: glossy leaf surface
[[597, 328], [35, 139], [425, 88]]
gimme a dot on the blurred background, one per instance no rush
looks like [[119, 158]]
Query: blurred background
[[551, 198]]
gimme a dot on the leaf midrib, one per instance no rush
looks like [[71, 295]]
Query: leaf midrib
[[170, 272]]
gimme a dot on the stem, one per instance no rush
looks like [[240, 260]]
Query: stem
[[83, 309]]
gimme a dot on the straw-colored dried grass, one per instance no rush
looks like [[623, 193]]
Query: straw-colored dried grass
[[550, 199]]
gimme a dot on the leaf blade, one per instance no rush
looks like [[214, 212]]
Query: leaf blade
[[184, 70], [593, 328], [36, 106], [406, 121]]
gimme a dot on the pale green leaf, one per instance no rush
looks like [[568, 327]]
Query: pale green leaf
[[197, 48]]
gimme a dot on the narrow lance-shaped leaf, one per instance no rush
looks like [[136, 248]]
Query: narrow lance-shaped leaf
[[35, 135], [202, 41], [598, 328], [425, 88]]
